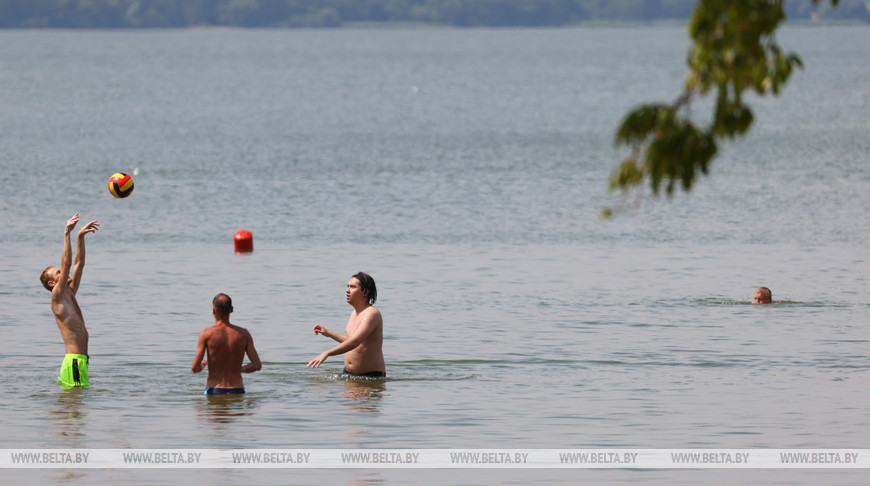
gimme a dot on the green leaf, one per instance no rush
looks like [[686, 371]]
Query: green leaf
[[733, 50]]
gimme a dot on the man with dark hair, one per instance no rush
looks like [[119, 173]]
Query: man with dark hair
[[367, 284], [63, 285], [226, 345], [762, 295], [362, 343]]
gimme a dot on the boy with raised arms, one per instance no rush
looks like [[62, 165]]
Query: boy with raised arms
[[63, 283]]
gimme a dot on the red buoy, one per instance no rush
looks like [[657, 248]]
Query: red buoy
[[244, 241]]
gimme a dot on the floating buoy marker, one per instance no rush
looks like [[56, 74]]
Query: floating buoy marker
[[244, 241]]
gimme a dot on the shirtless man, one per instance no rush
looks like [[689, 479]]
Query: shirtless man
[[63, 286], [363, 342], [226, 345], [762, 295]]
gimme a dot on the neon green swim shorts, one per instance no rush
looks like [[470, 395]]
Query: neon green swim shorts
[[74, 371]]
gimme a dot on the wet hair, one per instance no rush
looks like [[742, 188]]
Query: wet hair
[[223, 304], [766, 293], [43, 277], [367, 284]]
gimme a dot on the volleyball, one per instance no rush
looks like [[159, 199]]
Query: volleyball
[[120, 185]]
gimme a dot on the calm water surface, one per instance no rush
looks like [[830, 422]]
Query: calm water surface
[[464, 169]]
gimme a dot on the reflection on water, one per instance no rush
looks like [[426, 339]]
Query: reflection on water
[[68, 415], [365, 394], [71, 476], [68, 411], [367, 477], [224, 409]]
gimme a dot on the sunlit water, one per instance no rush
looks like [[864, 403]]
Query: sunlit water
[[464, 169]]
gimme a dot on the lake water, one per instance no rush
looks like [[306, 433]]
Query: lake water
[[463, 169]]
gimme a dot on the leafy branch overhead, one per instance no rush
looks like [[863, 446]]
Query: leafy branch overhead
[[733, 50]]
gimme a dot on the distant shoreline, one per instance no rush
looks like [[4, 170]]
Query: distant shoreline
[[436, 26]]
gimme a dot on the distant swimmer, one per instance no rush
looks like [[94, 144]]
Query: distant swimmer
[[762, 295], [362, 343], [226, 345], [63, 286]]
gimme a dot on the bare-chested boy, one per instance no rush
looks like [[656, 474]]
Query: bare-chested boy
[[362, 345], [226, 345], [63, 286]]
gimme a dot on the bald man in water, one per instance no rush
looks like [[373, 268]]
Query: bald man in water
[[226, 345], [762, 295], [63, 283]]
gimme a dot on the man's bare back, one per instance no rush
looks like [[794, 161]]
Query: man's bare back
[[225, 344]]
